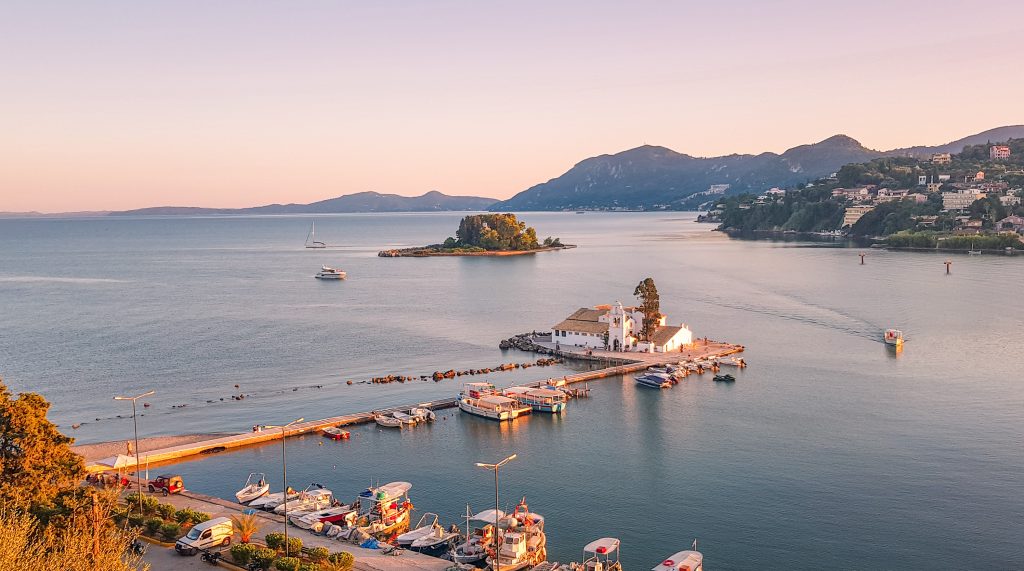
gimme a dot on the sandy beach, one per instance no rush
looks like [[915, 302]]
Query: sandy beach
[[100, 450]]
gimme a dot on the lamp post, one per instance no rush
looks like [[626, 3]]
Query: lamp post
[[497, 530], [135, 422], [284, 476]]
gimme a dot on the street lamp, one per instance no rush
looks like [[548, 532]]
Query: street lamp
[[497, 530], [284, 477], [138, 474]]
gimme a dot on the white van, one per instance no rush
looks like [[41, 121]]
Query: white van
[[211, 533]]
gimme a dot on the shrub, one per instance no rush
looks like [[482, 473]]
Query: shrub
[[166, 511], [309, 567], [200, 517], [149, 505], [183, 515], [275, 540], [245, 526], [170, 530], [287, 564], [342, 560], [294, 545], [241, 553], [319, 554], [262, 557], [153, 525], [135, 520]]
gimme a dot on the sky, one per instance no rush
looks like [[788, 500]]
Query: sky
[[109, 105]]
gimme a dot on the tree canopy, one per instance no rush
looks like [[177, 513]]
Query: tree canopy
[[494, 232], [650, 305], [36, 461]]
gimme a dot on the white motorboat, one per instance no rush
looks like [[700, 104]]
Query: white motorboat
[[894, 337], [438, 542], [690, 560], [406, 419], [387, 421], [423, 414], [271, 501], [479, 537], [601, 555], [311, 241], [654, 380], [329, 273], [255, 486], [523, 542], [734, 362], [494, 407], [338, 514], [426, 525], [308, 501]]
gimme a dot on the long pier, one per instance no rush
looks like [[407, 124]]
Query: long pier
[[618, 365]]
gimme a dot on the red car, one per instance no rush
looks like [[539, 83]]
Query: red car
[[167, 483]]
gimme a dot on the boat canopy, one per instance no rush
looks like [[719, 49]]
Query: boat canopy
[[480, 385], [497, 400], [518, 390], [684, 560], [488, 516], [393, 490], [603, 546], [546, 393]]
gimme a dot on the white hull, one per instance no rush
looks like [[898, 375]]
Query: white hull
[[467, 406], [250, 493]]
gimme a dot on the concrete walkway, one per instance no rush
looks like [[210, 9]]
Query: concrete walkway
[[365, 559]]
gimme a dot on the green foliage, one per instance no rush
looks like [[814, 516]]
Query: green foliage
[[166, 511], [318, 554], [986, 242], [171, 530], [275, 540], [650, 304], [989, 209], [342, 560], [153, 525], [241, 553], [287, 564], [263, 557], [135, 520], [189, 515], [294, 545], [907, 239], [36, 461], [494, 232], [309, 567]]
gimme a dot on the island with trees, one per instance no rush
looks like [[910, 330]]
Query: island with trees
[[485, 235]]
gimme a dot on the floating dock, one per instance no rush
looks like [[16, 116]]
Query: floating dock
[[618, 364]]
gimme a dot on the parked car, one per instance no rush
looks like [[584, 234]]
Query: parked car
[[203, 536], [167, 483]]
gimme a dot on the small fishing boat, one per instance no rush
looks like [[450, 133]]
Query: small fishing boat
[[494, 407], [438, 542], [386, 509], [423, 414], [541, 400], [894, 337], [653, 380], [477, 390], [255, 486], [734, 362], [329, 273], [335, 433], [335, 514], [271, 501], [523, 542], [387, 421], [308, 501], [479, 537], [601, 555], [690, 560], [426, 526], [311, 241], [404, 418]]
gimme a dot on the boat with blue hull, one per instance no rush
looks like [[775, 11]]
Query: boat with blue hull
[[653, 380]]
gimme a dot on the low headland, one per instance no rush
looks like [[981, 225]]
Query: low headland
[[485, 235]]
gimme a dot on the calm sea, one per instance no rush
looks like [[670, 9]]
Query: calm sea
[[829, 452]]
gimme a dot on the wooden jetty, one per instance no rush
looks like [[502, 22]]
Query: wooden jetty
[[617, 364]]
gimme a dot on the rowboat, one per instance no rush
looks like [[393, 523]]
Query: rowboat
[[387, 421], [335, 433]]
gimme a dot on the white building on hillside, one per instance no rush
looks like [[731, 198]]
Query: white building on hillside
[[617, 328]]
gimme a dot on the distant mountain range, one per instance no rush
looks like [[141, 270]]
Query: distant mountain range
[[432, 201], [656, 177]]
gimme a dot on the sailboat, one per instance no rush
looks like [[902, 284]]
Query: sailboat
[[311, 241], [972, 251]]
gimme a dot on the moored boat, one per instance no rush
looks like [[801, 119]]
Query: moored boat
[[384, 509], [653, 380], [724, 378], [343, 514], [523, 542], [439, 541], [479, 537], [426, 525], [539, 399], [335, 433], [405, 419], [255, 486], [308, 501], [690, 560], [271, 501], [422, 414], [387, 421], [494, 407], [601, 555]]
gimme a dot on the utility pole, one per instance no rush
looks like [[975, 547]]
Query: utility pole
[[497, 529], [135, 422]]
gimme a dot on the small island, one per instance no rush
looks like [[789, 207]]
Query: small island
[[485, 235]]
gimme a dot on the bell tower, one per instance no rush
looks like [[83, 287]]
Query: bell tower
[[617, 327]]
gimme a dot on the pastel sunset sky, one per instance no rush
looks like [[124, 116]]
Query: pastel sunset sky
[[224, 103]]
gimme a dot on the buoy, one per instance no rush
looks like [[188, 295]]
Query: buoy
[[948, 263], [668, 563]]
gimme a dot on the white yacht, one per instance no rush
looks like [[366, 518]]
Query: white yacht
[[329, 273]]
